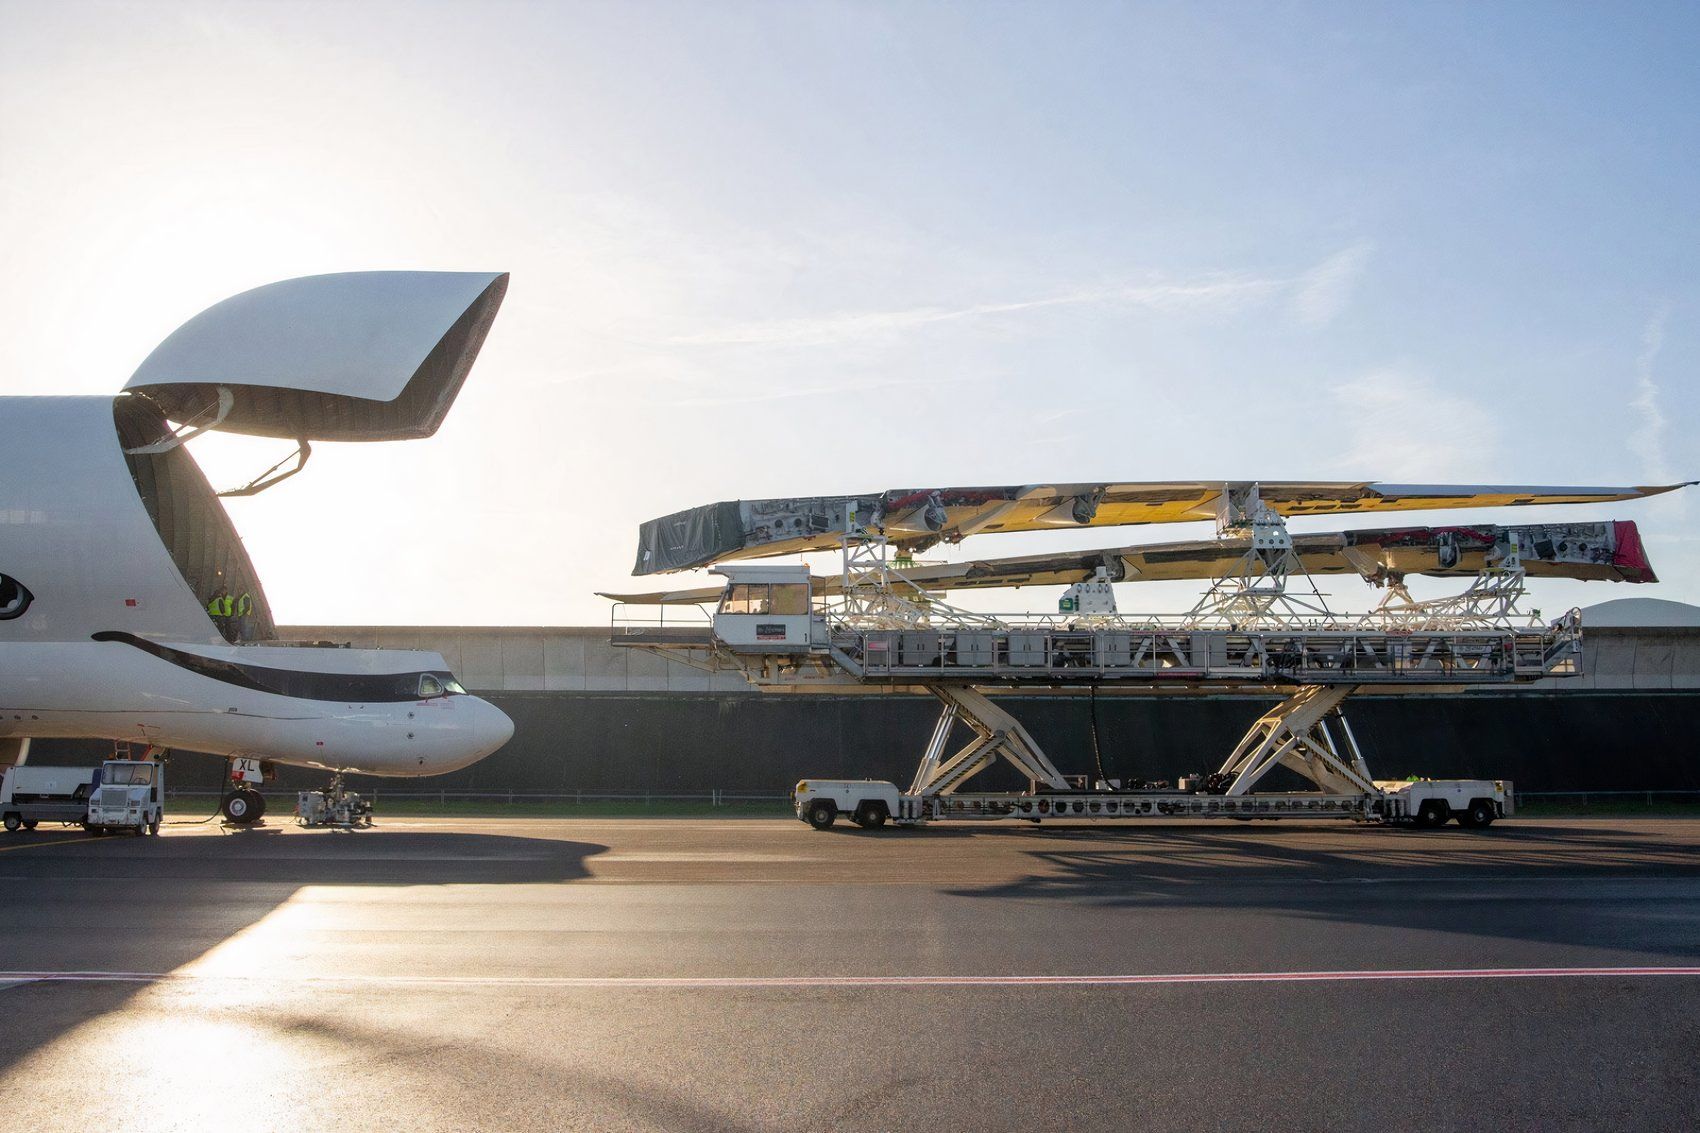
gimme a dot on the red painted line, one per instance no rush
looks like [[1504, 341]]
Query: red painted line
[[868, 981]]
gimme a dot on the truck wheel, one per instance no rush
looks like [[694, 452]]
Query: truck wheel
[[1480, 816], [153, 826], [871, 816], [13, 822], [1433, 814], [822, 814]]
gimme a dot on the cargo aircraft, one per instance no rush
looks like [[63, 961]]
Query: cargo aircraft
[[113, 545]]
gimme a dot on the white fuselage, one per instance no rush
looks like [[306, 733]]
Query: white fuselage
[[114, 690], [103, 636]]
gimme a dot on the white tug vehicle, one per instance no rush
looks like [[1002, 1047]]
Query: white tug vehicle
[[1262, 627]]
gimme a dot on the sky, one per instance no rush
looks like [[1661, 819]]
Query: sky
[[782, 249]]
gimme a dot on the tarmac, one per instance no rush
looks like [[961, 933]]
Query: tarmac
[[685, 974]]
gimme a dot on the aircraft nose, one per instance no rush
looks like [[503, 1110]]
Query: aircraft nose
[[493, 728]]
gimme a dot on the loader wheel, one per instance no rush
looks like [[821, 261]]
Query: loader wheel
[[1433, 814], [13, 822], [822, 814], [1480, 816], [242, 807]]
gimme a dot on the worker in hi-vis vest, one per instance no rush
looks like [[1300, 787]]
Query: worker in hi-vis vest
[[220, 608]]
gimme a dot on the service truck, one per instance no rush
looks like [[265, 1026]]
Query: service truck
[[120, 794]]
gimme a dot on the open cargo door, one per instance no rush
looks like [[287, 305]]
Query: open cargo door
[[357, 356]]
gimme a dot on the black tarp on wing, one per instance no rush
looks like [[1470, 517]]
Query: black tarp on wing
[[694, 537]]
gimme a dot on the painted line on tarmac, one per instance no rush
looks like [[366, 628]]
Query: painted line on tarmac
[[45, 844], [913, 981]]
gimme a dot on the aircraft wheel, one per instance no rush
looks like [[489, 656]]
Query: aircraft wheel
[[242, 807], [822, 814], [259, 804], [12, 822]]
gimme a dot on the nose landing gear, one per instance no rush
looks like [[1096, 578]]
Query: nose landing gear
[[243, 804], [243, 807]]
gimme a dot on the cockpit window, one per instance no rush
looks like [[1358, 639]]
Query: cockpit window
[[454, 687], [429, 686]]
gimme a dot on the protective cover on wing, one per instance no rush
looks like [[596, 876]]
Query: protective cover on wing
[[915, 519], [1610, 552], [357, 356]]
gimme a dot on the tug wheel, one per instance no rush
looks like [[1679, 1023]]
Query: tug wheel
[[822, 814], [241, 808], [871, 816], [1433, 814], [13, 822], [1479, 817]]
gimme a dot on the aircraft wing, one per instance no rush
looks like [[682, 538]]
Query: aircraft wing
[[1610, 551], [920, 517]]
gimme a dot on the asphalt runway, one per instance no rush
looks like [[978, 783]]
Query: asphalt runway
[[757, 975]]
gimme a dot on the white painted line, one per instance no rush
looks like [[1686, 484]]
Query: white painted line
[[910, 981]]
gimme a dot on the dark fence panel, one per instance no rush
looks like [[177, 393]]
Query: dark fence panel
[[679, 742]]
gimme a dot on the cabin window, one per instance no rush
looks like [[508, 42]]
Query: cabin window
[[790, 599], [778, 599], [748, 598]]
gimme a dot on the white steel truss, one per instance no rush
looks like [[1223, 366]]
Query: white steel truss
[[1489, 602], [997, 735], [1254, 592], [1296, 734], [876, 595]]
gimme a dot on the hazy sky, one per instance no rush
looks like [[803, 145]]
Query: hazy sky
[[780, 249]]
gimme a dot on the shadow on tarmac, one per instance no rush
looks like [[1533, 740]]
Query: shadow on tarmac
[[1421, 881], [75, 903]]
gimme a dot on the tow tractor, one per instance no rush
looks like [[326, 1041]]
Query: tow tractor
[[120, 794]]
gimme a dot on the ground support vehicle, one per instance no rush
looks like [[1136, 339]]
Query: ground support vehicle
[[1428, 803], [120, 794], [335, 806]]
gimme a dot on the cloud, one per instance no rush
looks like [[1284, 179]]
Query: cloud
[[1323, 291], [1648, 442], [1404, 427], [1225, 291]]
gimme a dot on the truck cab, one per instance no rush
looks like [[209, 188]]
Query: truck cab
[[130, 796]]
